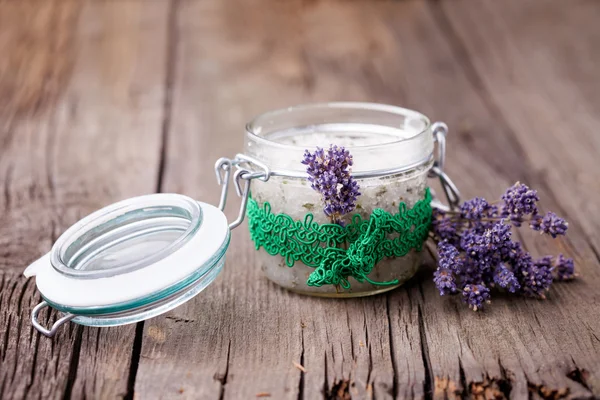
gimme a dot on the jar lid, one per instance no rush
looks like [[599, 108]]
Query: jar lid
[[133, 260]]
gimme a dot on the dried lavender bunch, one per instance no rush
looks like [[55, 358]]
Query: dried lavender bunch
[[476, 251], [329, 174]]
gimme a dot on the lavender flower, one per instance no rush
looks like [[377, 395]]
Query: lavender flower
[[476, 250], [444, 281], [480, 251], [519, 201], [550, 224], [476, 296], [474, 208], [564, 268], [329, 174], [444, 227], [511, 252], [473, 272], [497, 237], [535, 277], [449, 257], [505, 278], [474, 242]]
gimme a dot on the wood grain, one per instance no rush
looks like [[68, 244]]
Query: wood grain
[[81, 110], [103, 100], [449, 351]]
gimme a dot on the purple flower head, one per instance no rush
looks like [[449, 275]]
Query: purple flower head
[[480, 250], [443, 227], [444, 281], [472, 272], [564, 268], [474, 209], [511, 251], [550, 224], [472, 242], [536, 222], [535, 277], [498, 236], [519, 200], [329, 174], [476, 296], [449, 257], [505, 278]]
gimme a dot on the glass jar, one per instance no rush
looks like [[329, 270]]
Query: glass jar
[[392, 150]]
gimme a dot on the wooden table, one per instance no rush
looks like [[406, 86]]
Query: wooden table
[[104, 100]]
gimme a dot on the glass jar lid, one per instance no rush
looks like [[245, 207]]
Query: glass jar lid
[[140, 253]]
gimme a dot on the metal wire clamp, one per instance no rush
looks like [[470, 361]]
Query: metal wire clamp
[[247, 169], [439, 131]]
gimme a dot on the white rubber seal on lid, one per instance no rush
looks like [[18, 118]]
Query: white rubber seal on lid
[[131, 250]]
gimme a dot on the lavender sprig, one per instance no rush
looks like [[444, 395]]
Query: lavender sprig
[[519, 201], [476, 296], [564, 268], [506, 279], [550, 224], [329, 174], [477, 252]]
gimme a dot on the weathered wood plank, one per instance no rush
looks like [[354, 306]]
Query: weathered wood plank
[[542, 76], [81, 89], [426, 345], [539, 79], [109, 80], [245, 333], [537, 345]]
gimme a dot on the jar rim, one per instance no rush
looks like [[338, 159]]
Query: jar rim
[[255, 123], [82, 236]]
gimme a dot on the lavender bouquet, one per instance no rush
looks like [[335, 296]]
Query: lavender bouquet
[[476, 251]]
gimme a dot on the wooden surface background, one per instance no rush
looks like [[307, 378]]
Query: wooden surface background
[[104, 100]]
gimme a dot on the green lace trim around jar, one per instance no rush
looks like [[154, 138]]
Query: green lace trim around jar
[[338, 252]]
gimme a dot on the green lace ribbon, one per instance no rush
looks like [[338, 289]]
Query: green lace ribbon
[[321, 246]]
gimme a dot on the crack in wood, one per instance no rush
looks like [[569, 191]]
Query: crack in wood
[[579, 375], [170, 69], [351, 336], [178, 319], [50, 157], [505, 384], [370, 366], [223, 378], [74, 362], [394, 389], [340, 390], [135, 360], [463, 379], [427, 385], [7, 183], [301, 382], [5, 339], [591, 331], [326, 377]]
